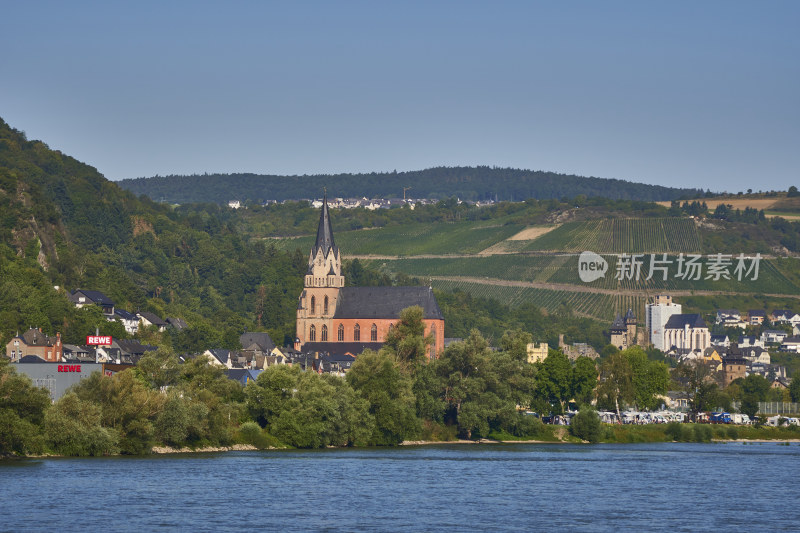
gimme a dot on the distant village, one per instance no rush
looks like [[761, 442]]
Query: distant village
[[367, 203]]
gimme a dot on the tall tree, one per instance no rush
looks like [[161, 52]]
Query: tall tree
[[616, 382]]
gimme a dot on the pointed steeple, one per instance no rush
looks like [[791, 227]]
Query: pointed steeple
[[324, 232]]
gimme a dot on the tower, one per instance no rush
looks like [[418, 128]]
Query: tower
[[323, 281]]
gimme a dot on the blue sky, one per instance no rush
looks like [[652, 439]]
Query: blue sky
[[679, 93]]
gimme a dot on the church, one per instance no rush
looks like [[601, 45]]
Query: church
[[347, 320]]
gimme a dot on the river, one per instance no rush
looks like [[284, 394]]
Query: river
[[520, 487]]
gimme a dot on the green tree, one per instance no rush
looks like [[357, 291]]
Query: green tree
[[73, 427], [378, 377], [584, 380], [160, 368], [794, 387], [515, 343], [586, 425], [22, 411], [407, 340], [553, 382], [616, 382], [754, 389], [650, 379], [127, 406]]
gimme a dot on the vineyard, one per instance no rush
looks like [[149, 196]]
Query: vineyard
[[413, 239], [563, 269], [625, 235], [600, 306]]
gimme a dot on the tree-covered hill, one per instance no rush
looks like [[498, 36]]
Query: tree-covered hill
[[64, 226], [467, 183]]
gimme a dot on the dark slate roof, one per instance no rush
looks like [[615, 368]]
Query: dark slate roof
[[782, 312], [125, 315], [95, 296], [32, 359], [630, 315], [618, 324], [221, 355], [340, 348], [693, 320], [757, 312], [242, 374], [385, 302], [134, 347], [324, 232], [153, 319], [263, 340], [34, 337]]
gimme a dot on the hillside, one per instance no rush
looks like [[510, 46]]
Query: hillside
[[63, 226], [467, 183]]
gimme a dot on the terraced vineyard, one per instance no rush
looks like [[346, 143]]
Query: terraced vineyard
[[414, 239], [601, 306], [626, 235], [563, 270]]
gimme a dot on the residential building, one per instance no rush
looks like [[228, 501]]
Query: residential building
[[733, 367], [130, 321], [773, 336], [34, 342], [656, 316], [149, 319], [81, 297], [756, 317], [328, 313]]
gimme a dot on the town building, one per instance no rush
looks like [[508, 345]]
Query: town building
[[537, 353], [656, 316], [623, 330], [733, 367], [34, 342], [81, 297], [335, 319]]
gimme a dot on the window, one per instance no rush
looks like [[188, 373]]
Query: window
[[340, 334], [325, 308], [313, 304], [324, 333], [357, 333], [312, 334], [373, 334]]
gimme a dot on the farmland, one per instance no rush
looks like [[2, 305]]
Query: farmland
[[414, 239], [595, 305], [539, 264]]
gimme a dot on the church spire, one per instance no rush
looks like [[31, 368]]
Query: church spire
[[324, 231]]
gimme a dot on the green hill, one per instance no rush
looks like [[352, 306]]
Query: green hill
[[467, 183], [62, 224]]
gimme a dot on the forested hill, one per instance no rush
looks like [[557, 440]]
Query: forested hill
[[64, 226], [467, 183]]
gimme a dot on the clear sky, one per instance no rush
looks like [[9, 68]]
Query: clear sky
[[684, 93]]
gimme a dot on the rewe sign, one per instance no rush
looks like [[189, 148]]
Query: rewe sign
[[98, 340]]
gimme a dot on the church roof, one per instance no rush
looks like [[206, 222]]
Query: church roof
[[324, 232], [693, 320], [385, 302]]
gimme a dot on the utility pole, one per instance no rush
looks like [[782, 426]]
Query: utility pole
[[404, 192]]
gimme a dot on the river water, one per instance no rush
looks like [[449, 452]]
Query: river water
[[521, 487]]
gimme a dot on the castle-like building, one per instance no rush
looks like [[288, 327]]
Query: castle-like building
[[337, 319]]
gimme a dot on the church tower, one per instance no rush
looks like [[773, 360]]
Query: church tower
[[323, 281]]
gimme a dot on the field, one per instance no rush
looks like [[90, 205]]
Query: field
[[414, 239], [539, 264], [781, 206], [600, 306]]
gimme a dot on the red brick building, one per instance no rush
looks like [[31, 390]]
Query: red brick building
[[338, 319], [34, 342]]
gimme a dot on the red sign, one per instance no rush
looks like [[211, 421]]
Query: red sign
[[69, 368], [98, 340]]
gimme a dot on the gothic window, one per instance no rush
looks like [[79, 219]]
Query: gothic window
[[357, 333], [325, 306], [312, 334], [313, 304], [324, 333], [340, 333], [373, 334]]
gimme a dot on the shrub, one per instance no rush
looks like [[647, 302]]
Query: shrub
[[733, 433], [702, 433], [586, 425], [527, 426]]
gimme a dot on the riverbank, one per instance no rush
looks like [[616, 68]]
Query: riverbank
[[205, 449]]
